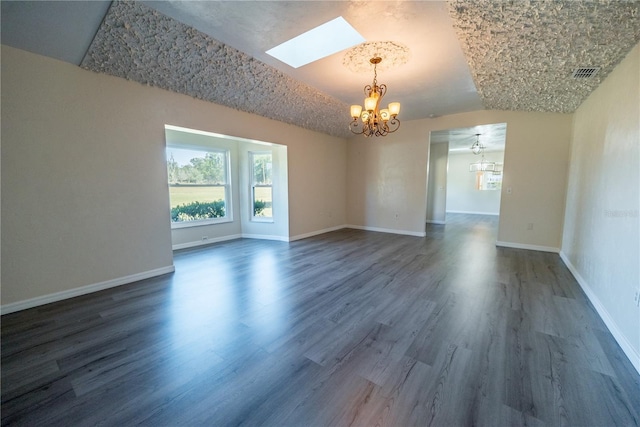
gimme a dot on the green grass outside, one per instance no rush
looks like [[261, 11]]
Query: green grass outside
[[179, 195]]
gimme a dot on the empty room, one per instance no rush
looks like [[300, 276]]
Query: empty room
[[320, 213]]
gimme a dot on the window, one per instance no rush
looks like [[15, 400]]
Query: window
[[199, 188], [261, 167], [489, 180]]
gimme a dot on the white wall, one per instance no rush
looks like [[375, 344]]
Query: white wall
[[437, 185], [84, 186], [279, 228], [387, 176], [601, 229], [191, 236], [241, 226], [462, 195]]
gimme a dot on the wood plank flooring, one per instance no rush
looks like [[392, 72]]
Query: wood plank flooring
[[350, 328]]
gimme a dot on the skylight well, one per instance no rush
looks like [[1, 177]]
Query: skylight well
[[317, 43]]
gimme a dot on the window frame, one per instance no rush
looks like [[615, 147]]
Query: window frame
[[253, 186], [228, 205]]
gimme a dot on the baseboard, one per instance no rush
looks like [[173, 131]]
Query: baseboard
[[317, 232], [83, 290], [255, 236], [627, 348], [430, 221], [265, 237], [474, 213], [205, 242], [389, 230], [528, 247]]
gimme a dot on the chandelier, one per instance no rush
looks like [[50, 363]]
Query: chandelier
[[477, 148], [483, 165], [375, 122]]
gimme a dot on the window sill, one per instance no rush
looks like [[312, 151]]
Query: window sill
[[265, 220], [189, 224]]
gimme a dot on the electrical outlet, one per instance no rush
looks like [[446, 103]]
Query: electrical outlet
[[530, 226], [636, 298], [397, 215], [205, 237]]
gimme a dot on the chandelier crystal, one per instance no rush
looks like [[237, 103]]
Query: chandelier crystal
[[375, 122]]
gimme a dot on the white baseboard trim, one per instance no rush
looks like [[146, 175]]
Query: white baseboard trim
[[255, 236], [627, 348], [265, 237], [430, 221], [205, 242], [389, 230], [474, 213], [528, 247], [317, 232], [83, 290]]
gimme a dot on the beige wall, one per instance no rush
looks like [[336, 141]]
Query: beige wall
[[601, 231], [437, 183], [317, 176], [386, 181], [387, 176], [84, 193]]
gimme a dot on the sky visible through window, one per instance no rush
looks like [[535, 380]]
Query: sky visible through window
[[183, 156]]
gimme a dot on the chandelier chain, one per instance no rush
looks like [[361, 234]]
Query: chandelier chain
[[375, 74]]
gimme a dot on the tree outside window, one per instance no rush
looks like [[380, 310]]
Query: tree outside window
[[198, 185]]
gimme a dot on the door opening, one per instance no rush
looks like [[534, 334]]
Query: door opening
[[466, 183]]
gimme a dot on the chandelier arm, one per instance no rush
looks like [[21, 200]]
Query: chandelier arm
[[353, 126], [383, 90], [380, 129], [393, 124], [367, 90]]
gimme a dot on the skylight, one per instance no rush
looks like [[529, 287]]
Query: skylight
[[322, 41]]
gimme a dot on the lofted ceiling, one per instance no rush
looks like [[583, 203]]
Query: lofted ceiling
[[464, 55]]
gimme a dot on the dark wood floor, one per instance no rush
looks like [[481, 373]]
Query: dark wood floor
[[346, 328]]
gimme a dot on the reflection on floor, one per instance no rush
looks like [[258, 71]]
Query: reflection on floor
[[346, 328]]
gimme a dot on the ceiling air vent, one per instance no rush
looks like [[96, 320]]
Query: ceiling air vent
[[585, 72]]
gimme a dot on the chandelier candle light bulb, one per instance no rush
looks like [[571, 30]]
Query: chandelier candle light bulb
[[375, 122]]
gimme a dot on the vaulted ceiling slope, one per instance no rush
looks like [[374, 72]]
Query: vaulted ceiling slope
[[522, 54], [137, 43], [466, 54]]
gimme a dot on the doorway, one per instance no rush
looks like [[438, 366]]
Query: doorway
[[465, 173]]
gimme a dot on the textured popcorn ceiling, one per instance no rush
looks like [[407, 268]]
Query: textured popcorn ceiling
[[522, 53], [140, 44]]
